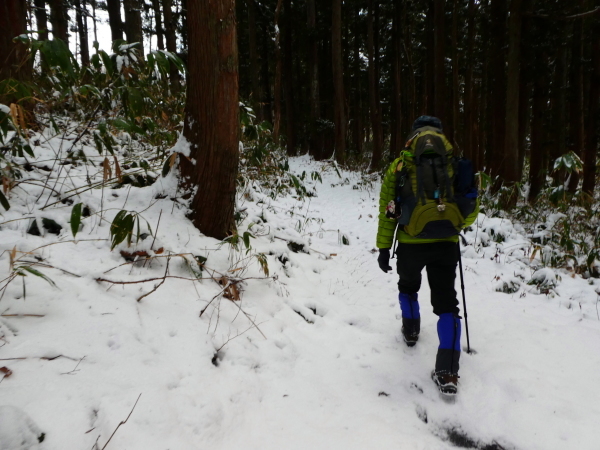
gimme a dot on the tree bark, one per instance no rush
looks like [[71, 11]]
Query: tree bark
[[439, 71], [171, 41], [396, 136], [41, 19], [576, 100], [454, 133], [58, 18], [288, 79], [133, 22], [510, 167], [498, 86], [114, 19], [374, 106], [591, 143], [13, 22], [538, 149], [469, 144], [212, 116], [160, 42], [315, 142], [278, 71], [254, 63], [338, 82], [81, 17]]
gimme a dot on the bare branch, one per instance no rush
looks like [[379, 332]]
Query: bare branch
[[123, 422]]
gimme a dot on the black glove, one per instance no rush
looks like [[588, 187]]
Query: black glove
[[384, 259]]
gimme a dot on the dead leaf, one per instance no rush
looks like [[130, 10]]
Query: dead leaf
[[159, 251], [107, 173], [118, 170], [134, 255], [6, 371], [231, 291]]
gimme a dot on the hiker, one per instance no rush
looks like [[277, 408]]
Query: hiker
[[426, 198]]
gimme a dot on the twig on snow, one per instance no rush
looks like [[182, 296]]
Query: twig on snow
[[123, 422]]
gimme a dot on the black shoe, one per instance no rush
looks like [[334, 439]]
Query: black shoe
[[446, 382], [410, 337], [410, 331]]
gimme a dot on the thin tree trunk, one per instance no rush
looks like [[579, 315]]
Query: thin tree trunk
[[278, 70], [171, 41], [577, 112], [537, 169], [81, 17], [288, 79], [212, 117], [13, 22], [265, 75], [559, 109], [510, 168], [58, 17], [469, 84], [41, 19], [439, 71], [396, 113], [454, 133], [375, 107], [315, 142], [429, 62], [133, 22], [160, 42], [591, 143], [114, 19], [254, 63], [338, 82], [498, 86], [94, 20]]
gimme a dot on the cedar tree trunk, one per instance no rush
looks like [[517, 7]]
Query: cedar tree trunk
[[212, 116]]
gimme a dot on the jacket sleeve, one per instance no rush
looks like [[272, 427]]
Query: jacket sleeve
[[387, 227]]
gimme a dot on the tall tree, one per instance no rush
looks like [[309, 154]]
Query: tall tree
[[313, 79], [160, 42], [58, 17], [498, 15], [13, 54], [592, 139], [171, 38], [81, 18], [212, 116], [288, 79], [114, 19], [133, 22], [510, 168], [374, 105], [41, 18], [439, 72], [338, 82], [254, 62]]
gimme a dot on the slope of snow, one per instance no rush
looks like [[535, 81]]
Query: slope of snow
[[311, 357]]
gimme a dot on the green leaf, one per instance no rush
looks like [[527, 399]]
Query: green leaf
[[4, 201], [166, 167], [37, 273], [98, 142], [76, 218]]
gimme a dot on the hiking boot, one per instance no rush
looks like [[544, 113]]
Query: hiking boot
[[410, 331], [446, 382]]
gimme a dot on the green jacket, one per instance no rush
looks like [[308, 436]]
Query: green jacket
[[387, 226]]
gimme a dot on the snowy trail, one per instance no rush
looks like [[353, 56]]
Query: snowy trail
[[332, 373]]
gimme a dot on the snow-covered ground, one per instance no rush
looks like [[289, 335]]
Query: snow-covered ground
[[310, 358]]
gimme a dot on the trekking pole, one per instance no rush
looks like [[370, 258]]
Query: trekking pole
[[462, 287]]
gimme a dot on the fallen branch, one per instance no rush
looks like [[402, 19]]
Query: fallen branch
[[123, 422], [159, 284]]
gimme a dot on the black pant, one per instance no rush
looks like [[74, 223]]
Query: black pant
[[440, 260]]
